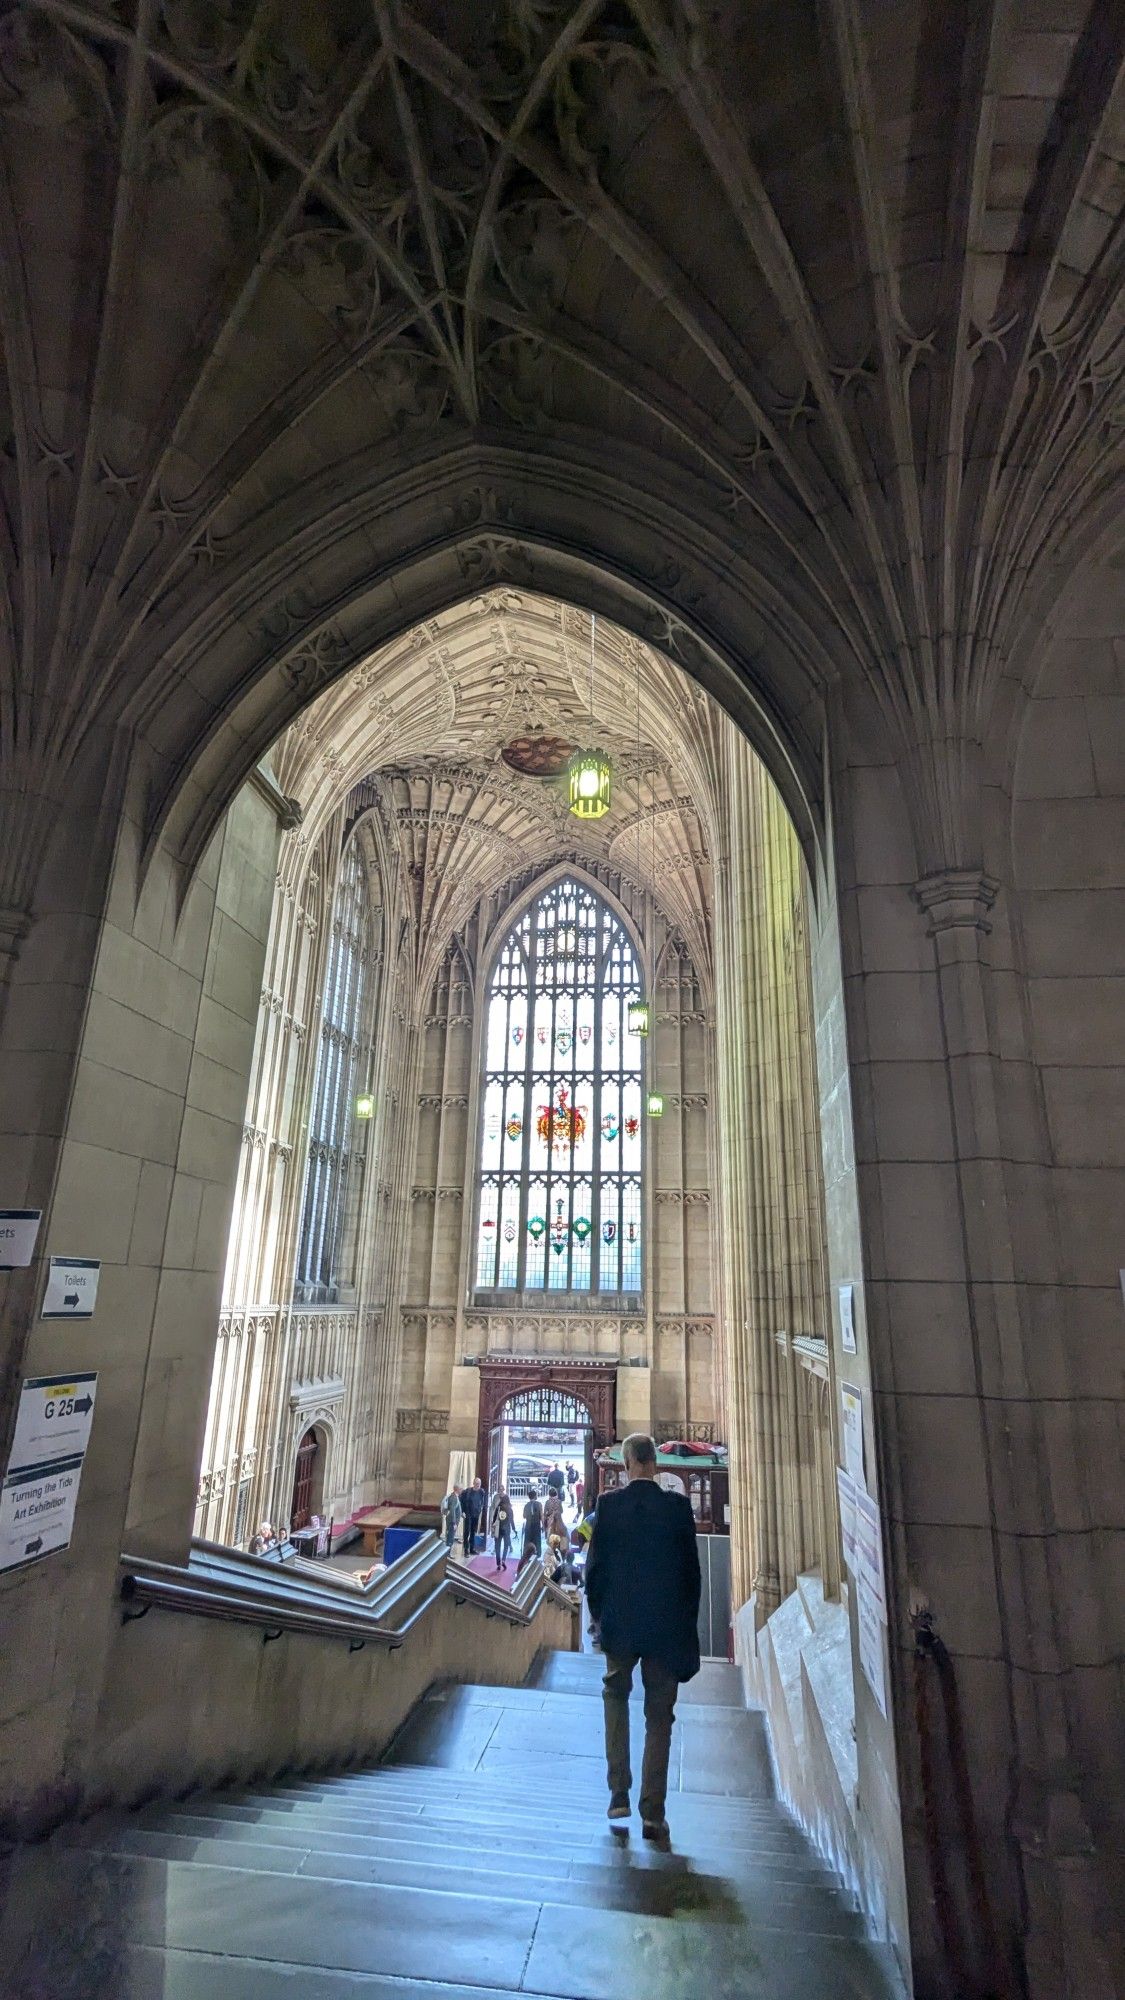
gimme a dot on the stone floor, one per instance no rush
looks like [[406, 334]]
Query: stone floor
[[474, 1862]]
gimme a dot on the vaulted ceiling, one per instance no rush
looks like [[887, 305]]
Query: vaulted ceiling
[[423, 723], [835, 284]]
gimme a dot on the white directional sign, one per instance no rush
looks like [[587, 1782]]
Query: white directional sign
[[19, 1228], [54, 1419], [72, 1288], [40, 1490]]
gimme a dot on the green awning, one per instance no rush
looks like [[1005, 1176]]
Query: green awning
[[670, 1461]]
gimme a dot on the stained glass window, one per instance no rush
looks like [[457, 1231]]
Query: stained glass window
[[562, 1108]]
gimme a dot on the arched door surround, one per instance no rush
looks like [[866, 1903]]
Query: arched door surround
[[592, 1387], [308, 1478]]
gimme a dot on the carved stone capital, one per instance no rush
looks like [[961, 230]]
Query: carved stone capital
[[956, 899]]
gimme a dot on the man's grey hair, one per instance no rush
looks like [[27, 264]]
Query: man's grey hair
[[639, 1447]]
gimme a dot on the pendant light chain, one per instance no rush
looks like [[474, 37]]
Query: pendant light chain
[[590, 771], [637, 1012]]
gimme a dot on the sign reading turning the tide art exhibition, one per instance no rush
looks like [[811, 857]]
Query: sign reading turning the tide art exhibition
[[40, 1490]]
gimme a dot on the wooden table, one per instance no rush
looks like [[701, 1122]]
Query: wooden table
[[373, 1525]]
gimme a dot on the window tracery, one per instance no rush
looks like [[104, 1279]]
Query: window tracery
[[561, 1121], [343, 1060]]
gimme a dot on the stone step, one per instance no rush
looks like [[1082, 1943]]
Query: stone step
[[471, 1824], [416, 1838], [806, 1906], [410, 1837], [415, 1782], [470, 1794], [282, 1923]]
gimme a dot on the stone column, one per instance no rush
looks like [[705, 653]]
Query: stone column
[[772, 1258], [960, 1259]]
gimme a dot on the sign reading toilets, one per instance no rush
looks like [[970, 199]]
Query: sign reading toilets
[[19, 1228], [40, 1490], [72, 1288]]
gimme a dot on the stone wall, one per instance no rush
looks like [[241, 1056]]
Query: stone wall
[[142, 1179], [195, 1701]]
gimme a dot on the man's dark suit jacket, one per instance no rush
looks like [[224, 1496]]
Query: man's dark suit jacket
[[642, 1576]]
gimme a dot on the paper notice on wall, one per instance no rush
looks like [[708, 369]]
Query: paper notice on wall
[[845, 1487], [53, 1420], [851, 1433], [37, 1512], [72, 1288], [869, 1551], [847, 1319], [40, 1490], [19, 1228], [871, 1643]]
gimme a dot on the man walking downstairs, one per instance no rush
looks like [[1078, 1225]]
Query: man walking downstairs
[[642, 1587]]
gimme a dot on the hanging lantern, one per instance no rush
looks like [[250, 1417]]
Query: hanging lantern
[[365, 1105], [655, 1104], [636, 1013], [590, 774]]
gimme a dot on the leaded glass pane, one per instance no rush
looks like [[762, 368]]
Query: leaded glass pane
[[561, 1127]]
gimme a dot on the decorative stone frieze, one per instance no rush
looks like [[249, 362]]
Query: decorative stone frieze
[[317, 1395]]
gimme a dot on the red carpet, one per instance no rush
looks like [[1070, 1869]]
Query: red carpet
[[486, 1566]]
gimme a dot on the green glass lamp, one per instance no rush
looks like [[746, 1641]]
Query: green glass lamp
[[636, 1014], [590, 774]]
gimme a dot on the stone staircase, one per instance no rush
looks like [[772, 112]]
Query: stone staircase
[[475, 1861]]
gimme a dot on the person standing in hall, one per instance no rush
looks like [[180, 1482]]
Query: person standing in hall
[[556, 1480], [472, 1513], [503, 1525], [554, 1521], [451, 1516], [532, 1528], [642, 1587]]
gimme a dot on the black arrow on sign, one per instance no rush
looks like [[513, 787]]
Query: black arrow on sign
[[83, 1402], [70, 1298], [34, 1547]]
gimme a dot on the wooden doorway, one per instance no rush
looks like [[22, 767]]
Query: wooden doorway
[[307, 1479], [593, 1385]]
